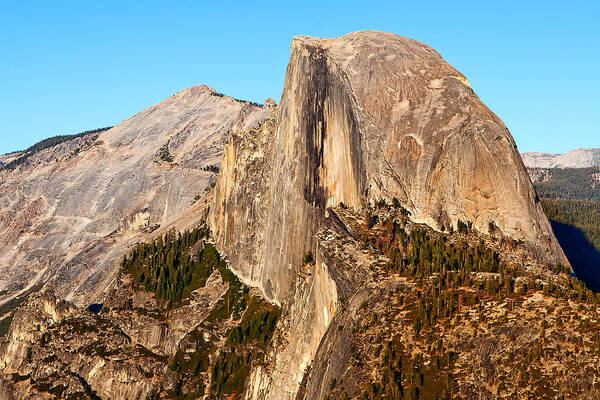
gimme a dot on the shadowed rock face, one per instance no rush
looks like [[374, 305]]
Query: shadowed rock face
[[369, 116], [67, 215]]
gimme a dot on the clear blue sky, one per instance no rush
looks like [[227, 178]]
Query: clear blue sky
[[66, 67]]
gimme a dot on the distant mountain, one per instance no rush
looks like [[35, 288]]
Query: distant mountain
[[578, 158]]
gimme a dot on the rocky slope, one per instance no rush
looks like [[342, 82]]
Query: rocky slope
[[140, 346], [511, 328], [578, 158], [71, 210], [381, 319]]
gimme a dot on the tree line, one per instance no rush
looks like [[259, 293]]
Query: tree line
[[46, 144]]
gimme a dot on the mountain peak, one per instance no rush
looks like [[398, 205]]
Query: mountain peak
[[365, 117]]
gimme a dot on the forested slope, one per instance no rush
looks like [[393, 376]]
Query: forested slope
[[567, 183], [571, 200]]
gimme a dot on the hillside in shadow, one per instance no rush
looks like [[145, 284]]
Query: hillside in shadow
[[583, 256]]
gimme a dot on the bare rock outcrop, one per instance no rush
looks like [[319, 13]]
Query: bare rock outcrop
[[73, 209], [53, 349], [147, 320]]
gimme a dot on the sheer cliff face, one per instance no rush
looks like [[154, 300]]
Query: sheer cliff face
[[73, 209], [363, 117]]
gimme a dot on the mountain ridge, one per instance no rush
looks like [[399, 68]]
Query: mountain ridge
[[71, 210], [577, 158]]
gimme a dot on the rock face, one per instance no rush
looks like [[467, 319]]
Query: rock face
[[160, 336], [55, 350], [363, 117], [578, 158], [73, 209]]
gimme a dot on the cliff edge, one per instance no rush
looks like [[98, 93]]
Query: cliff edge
[[365, 117]]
